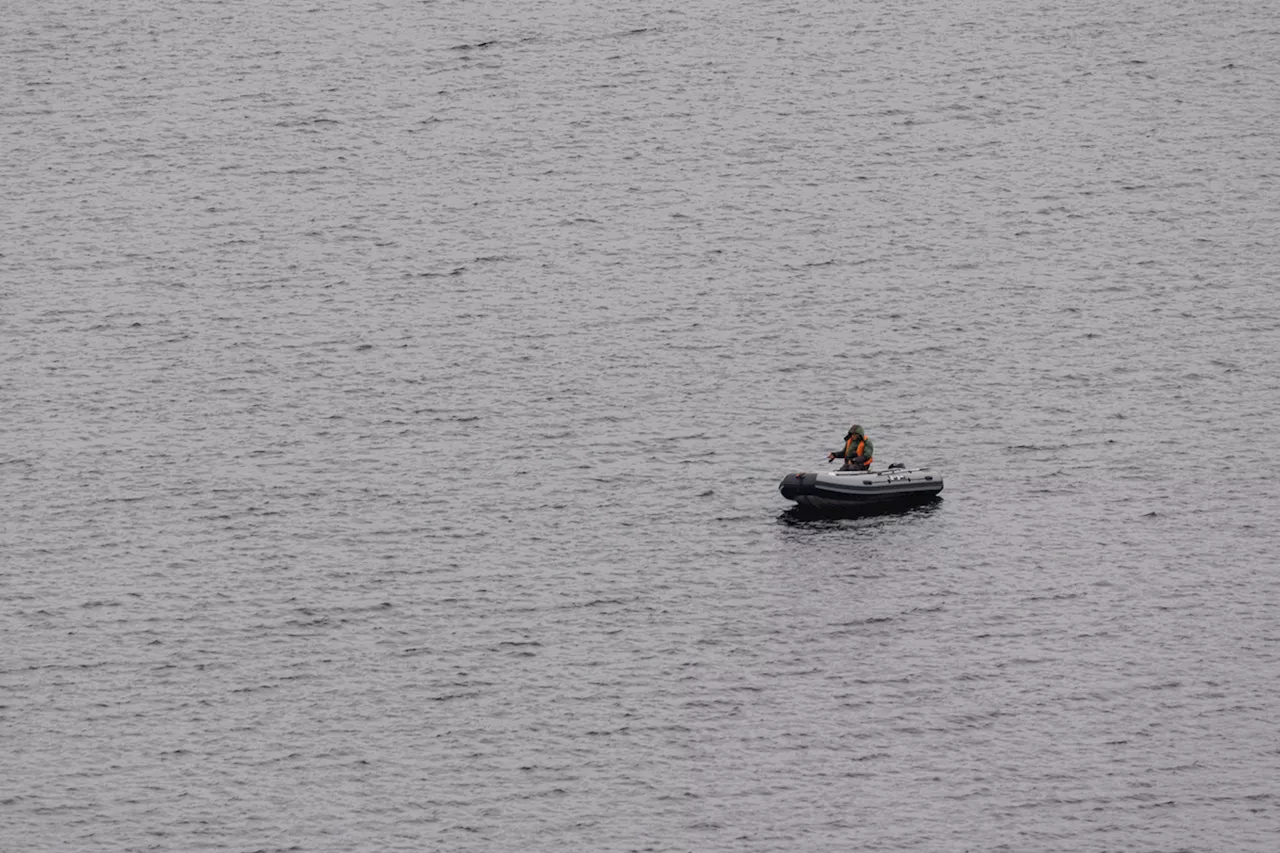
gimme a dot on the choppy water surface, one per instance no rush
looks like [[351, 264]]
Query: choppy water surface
[[394, 398]]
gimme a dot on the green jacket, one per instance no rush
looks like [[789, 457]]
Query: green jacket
[[849, 453]]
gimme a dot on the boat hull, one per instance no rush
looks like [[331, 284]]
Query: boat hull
[[857, 492]]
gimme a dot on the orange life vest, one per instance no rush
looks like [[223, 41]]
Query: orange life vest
[[849, 443]]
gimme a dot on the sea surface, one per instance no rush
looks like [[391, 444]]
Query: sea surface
[[393, 398]]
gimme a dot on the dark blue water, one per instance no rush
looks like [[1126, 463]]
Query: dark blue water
[[394, 400]]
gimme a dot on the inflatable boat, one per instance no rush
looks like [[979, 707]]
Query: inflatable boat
[[852, 492]]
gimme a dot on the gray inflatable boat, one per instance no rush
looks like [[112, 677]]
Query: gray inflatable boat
[[851, 492]]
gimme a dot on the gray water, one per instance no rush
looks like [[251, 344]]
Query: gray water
[[395, 395]]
